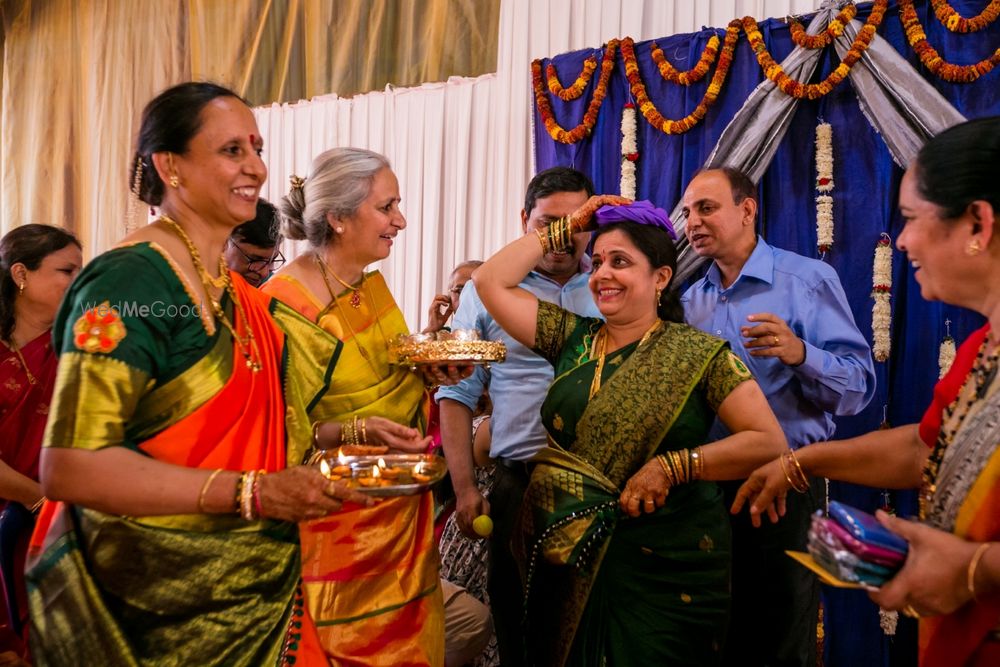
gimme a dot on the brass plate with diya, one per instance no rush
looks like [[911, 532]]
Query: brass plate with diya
[[382, 475], [461, 346]]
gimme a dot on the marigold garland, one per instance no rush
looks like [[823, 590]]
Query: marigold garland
[[630, 152], [586, 126], [811, 91], [574, 91], [930, 57], [693, 75], [833, 30], [649, 110], [881, 290], [955, 22]]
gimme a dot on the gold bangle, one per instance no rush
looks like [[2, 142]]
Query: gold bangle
[[802, 475], [697, 461], [315, 431], [38, 505], [677, 463], [364, 430], [246, 495], [204, 489], [543, 238], [240, 483], [973, 564], [781, 462], [662, 460]]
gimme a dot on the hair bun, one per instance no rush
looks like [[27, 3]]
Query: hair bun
[[293, 205]]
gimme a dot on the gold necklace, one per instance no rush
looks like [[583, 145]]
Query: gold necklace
[[324, 269], [356, 291], [24, 364], [599, 348], [219, 283], [247, 346]]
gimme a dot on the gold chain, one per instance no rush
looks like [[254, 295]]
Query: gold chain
[[247, 346], [324, 270], [356, 291], [24, 364], [600, 345]]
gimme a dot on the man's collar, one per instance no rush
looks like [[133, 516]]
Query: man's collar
[[759, 266]]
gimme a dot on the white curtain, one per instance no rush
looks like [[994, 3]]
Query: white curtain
[[462, 149]]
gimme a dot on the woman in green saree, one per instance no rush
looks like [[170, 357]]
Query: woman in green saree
[[625, 539]]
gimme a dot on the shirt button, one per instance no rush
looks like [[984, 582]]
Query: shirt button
[[722, 298], [718, 332]]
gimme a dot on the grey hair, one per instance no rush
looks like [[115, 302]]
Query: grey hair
[[339, 182]]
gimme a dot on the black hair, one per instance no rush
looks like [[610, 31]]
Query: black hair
[[960, 166], [553, 180], [28, 245], [262, 231], [659, 249], [169, 122]]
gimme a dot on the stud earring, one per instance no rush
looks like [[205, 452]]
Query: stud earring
[[340, 230], [974, 248], [174, 181]]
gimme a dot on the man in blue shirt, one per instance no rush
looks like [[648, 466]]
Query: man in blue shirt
[[788, 319], [517, 388]]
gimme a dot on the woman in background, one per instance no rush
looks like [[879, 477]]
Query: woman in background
[[37, 264]]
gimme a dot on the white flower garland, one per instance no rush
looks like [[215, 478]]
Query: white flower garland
[[881, 290], [824, 184], [630, 152]]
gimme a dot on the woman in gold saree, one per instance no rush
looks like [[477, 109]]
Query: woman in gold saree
[[626, 542], [370, 573], [949, 198], [170, 535]]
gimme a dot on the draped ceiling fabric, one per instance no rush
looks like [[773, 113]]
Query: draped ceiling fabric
[[866, 177], [76, 74]]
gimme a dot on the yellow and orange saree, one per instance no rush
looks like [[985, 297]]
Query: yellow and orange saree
[[370, 574]]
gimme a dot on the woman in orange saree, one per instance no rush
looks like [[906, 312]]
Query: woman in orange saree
[[37, 264], [370, 574], [172, 537], [949, 199]]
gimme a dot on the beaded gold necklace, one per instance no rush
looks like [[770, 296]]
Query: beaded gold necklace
[[326, 271], [248, 345]]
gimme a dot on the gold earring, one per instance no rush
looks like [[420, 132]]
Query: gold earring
[[974, 248], [659, 294], [20, 288], [174, 181]]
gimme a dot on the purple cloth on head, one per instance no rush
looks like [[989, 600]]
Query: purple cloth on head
[[642, 212]]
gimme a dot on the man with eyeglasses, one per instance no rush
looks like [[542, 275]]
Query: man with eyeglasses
[[252, 250]]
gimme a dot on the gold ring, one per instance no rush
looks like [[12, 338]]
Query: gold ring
[[908, 610], [776, 340]]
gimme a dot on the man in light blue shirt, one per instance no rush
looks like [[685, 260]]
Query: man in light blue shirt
[[517, 388], [788, 319]]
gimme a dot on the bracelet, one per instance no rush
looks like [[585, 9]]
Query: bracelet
[[973, 564], [315, 431], [696, 461], [240, 482], [204, 489], [256, 494], [37, 506], [246, 495], [671, 480], [798, 468], [543, 239], [364, 430], [781, 462]]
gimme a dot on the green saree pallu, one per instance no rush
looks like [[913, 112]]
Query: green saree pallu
[[603, 588]]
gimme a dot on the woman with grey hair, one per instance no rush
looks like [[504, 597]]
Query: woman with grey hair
[[370, 574]]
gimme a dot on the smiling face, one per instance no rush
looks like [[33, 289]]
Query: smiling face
[[560, 266], [221, 172], [717, 227], [622, 281], [45, 286], [371, 230], [934, 247]]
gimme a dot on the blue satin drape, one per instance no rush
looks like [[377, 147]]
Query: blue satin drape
[[867, 183]]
